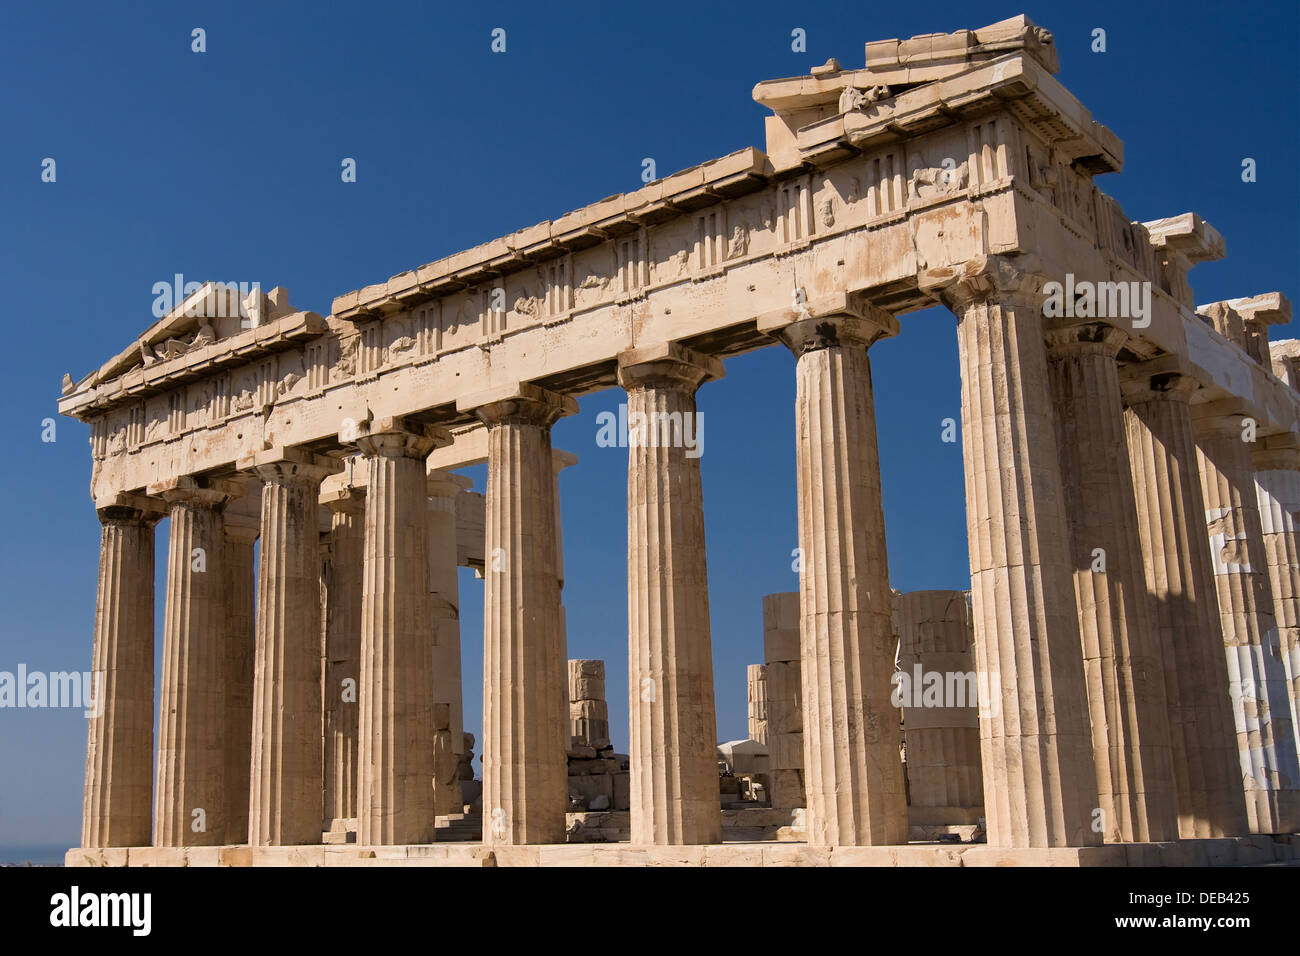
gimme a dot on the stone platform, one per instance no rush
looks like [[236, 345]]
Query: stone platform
[[1240, 851]]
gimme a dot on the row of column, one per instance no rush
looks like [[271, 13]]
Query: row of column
[[1092, 494], [1087, 495], [240, 753]]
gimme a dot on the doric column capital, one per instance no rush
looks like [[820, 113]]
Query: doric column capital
[[130, 509], [204, 492], [986, 277], [394, 437], [289, 465], [1160, 379], [344, 500], [844, 318], [1084, 337], [519, 404], [668, 365], [444, 484], [561, 460], [240, 527]]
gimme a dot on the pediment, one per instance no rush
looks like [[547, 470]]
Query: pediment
[[210, 314]]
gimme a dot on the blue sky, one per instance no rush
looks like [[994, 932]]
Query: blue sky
[[225, 165]]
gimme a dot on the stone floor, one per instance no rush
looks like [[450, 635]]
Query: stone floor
[[1242, 851]]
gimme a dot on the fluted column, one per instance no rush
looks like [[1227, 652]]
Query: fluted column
[[1170, 524], [756, 692], [190, 793], [783, 693], [561, 460], [1277, 486], [1122, 661], [286, 802], [395, 764], [1040, 787], [1256, 677], [853, 776], [118, 805], [673, 736], [344, 583], [525, 691], [444, 606], [241, 591]]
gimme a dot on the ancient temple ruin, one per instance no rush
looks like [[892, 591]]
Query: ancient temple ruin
[[1132, 480]]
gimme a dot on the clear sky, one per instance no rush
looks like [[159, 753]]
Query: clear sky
[[225, 165]]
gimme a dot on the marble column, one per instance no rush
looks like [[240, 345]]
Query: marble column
[[343, 583], [444, 605], [242, 530], [286, 803], [1170, 524], [588, 710], [525, 692], [756, 694], [395, 761], [673, 736], [561, 460], [190, 793], [783, 693], [118, 805], [1277, 486], [1121, 658], [1040, 786], [1257, 682], [853, 775]]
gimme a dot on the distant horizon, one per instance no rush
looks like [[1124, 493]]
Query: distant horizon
[[42, 854]]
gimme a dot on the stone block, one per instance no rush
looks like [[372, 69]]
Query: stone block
[[580, 669], [785, 788], [780, 645], [784, 716], [785, 751], [588, 786], [588, 710], [587, 688]]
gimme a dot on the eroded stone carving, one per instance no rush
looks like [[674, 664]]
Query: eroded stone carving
[[854, 99], [528, 305], [1043, 177], [206, 335], [929, 182], [346, 364], [739, 244], [245, 390]]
